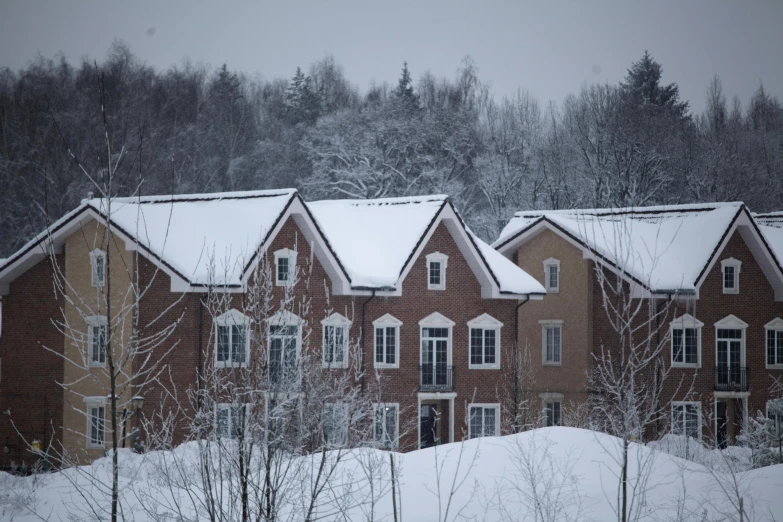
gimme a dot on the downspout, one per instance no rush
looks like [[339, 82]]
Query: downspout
[[364, 315], [658, 343], [516, 363], [200, 368]]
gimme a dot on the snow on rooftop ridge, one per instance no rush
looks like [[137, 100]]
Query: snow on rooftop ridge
[[210, 196], [379, 202], [655, 209], [770, 219]]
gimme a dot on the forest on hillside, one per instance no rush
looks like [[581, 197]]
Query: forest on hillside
[[192, 130]]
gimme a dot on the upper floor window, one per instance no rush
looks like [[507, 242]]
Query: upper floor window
[[284, 346], [774, 343], [386, 425], [232, 342], [731, 272], [484, 420], [484, 342], [552, 275], [335, 341], [98, 267], [285, 266], [436, 271], [686, 419], [686, 341], [96, 340], [551, 337], [387, 341]]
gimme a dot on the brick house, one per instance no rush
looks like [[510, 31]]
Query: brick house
[[432, 307], [716, 264]]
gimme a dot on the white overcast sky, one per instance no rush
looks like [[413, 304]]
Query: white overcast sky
[[548, 48]]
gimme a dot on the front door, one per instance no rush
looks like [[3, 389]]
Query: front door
[[429, 425], [729, 357]]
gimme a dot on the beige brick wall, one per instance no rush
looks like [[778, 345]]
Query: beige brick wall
[[86, 300]]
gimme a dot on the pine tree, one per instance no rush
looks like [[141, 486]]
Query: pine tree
[[404, 90], [303, 103], [642, 87]]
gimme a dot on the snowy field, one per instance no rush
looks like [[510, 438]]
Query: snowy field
[[545, 474]]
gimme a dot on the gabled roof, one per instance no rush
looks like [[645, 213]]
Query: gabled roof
[[665, 248], [771, 225]]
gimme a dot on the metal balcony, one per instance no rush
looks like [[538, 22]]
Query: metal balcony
[[731, 378], [436, 377]]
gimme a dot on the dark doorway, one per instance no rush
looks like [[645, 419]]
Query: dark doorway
[[722, 419], [429, 425]]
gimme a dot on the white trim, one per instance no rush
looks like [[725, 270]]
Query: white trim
[[685, 321], [93, 321], [775, 325], [443, 259], [375, 407], [336, 321], [485, 405], [732, 322], [683, 404], [484, 322], [94, 256], [285, 253], [551, 399], [550, 262], [228, 319], [551, 396], [386, 321], [89, 404], [730, 395], [736, 264], [546, 324], [436, 320], [228, 406], [285, 318]]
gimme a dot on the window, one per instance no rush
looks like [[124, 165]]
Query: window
[[284, 342], [435, 357], [730, 352], [686, 419], [285, 266], [335, 341], [96, 423], [731, 272], [774, 343], [686, 341], [552, 275], [484, 420], [484, 334], [98, 267], [552, 335], [552, 413], [775, 414], [96, 340], [436, 271], [387, 341], [386, 424], [336, 423], [230, 421], [232, 341]]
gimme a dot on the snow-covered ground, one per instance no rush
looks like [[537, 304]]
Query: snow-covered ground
[[562, 473]]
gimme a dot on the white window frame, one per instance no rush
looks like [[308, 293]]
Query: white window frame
[[289, 254], [386, 321], [335, 321], [776, 325], [285, 318], [484, 322], [548, 263], [229, 406], [779, 422], [344, 428], [93, 322], [89, 404], [676, 404], [94, 256], [484, 405], [232, 318], [736, 264], [550, 404], [437, 320], [732, 322], [685, 321], [443, 259], [382, 406], [546, 324]]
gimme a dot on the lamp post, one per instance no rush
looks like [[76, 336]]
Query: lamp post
[[137, 402]]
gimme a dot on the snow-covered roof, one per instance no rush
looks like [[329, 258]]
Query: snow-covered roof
[[771, 226], [663, 248]]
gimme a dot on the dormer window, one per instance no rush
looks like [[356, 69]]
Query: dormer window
[[552, 275], [285, 266], [436, 271], [731, 272], [98, 267]]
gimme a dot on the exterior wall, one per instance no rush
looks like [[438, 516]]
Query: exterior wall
[[31, 401], [572, 304], [85, 300]]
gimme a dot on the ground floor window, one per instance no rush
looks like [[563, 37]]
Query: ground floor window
[[686, 419], [386, 422], [552, 413], [230, 420], [484, 420], [96, 425]]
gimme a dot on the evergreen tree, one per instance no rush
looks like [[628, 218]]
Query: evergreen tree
[[303, 103], [642, 87], [404, 90]]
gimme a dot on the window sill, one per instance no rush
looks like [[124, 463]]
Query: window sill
[[340, 366], [96, 446], [220, 364], [97, 365], [483, 366], [553, 290], [436, 287], [774, 366], [687, 366], [386, 366], [730, 292], [555, 364]]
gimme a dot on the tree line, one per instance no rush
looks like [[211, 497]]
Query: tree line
[[190, 130]]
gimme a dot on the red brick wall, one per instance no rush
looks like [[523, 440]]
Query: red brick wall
[[28, 386]]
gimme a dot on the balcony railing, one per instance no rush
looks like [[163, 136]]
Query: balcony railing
[[731, 378], [436, 377]]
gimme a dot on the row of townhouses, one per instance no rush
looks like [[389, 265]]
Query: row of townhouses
[[442, 318]]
